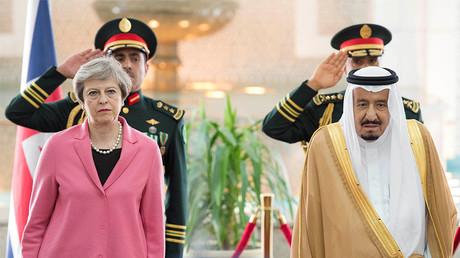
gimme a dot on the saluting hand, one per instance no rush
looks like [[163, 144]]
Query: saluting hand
[[71, 65], [329, 72]]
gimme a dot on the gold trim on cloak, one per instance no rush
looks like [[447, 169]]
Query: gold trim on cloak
[[373, 220]]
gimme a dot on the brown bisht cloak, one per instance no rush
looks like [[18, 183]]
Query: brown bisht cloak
[[336, 219]]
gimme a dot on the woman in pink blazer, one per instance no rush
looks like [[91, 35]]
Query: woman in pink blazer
[[98, 188]]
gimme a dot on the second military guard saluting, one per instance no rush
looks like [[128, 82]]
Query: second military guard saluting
[[132, 43], [297, 116]]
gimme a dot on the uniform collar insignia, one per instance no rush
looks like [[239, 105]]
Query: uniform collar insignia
[[133, 98]]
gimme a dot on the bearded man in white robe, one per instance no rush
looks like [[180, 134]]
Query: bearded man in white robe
[[373, 184]]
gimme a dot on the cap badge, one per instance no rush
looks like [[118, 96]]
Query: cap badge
[[365, 32], [124, 25]]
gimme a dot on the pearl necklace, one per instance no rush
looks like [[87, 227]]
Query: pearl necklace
[[114, 146]]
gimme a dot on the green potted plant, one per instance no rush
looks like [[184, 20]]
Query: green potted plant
[[228, 167]]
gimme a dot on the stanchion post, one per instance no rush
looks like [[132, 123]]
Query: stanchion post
[[267, 225]]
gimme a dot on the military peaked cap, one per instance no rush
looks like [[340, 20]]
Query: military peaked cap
[[126, 33], [362, 40]]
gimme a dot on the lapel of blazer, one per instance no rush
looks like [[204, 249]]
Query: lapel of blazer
[[128, 152], [83, 148]]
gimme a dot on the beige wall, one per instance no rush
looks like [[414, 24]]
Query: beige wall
[[7, 143]]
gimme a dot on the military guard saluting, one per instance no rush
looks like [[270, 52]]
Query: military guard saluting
[[297, 116], [132, 43]]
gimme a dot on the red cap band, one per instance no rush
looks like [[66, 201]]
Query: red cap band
[[360, 43], [126, 39]]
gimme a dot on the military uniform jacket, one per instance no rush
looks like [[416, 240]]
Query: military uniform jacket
[[156, 119], [298, 115]]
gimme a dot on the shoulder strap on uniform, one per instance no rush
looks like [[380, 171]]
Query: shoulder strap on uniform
[[372, 218], [412, 105], [318, 99], [169, 110]]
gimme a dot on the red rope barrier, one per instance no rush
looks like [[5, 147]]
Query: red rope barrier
[[246, 236], [456, 239], [284, 227], [287, 233]]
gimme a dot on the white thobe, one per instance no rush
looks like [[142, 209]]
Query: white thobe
[[375, 159]]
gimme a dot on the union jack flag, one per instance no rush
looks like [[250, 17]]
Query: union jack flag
[[39, 54]]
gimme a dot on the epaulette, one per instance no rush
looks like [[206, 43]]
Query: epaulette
[[321, 98], [72, 96], [412, 105], [169, 110]]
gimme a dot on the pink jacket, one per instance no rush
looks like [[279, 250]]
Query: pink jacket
[[73, 215]]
